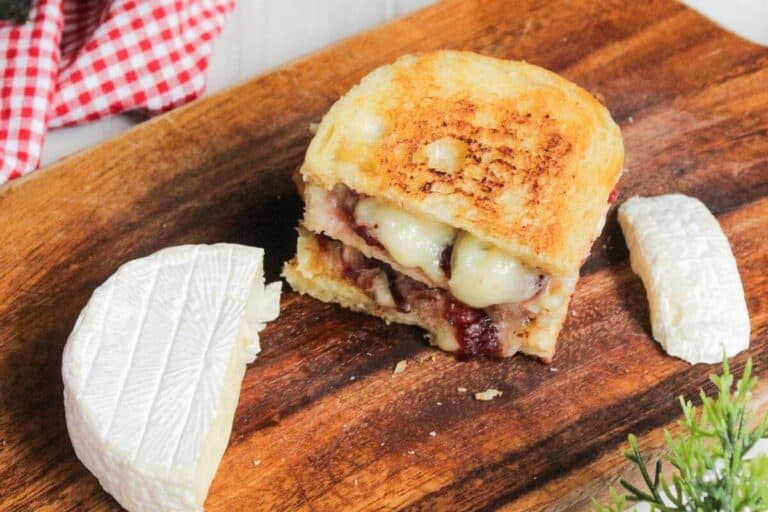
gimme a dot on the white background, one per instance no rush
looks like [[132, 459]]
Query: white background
[[262, 34]]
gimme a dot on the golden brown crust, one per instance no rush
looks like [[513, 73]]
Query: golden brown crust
[[542, 155]]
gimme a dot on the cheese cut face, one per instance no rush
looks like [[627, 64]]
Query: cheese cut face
[[695, 294], [153, 367]]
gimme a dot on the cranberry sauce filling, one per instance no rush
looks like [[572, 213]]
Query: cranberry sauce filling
[[346, 200], [401, 303], [364, 233], [475, 332], [613, 196], [445, 260]]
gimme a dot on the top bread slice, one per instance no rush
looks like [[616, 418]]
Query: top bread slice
[[537, 156]]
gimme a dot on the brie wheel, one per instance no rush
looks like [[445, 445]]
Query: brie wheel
[[695, 294], [153, 367]]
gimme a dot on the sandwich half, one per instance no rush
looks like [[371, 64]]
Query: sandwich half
[[459, 193]]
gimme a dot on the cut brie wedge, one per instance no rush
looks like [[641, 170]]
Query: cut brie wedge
[[695, 295], [153, 367]]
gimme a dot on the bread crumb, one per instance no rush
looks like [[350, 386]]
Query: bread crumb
[[461, 390], [352, 378], [439, 403], [313, 127], [256, 462], [423, 357], [355, 482], [553, 369], [488, 394], [399, 367], [411, 452], [433, 433], [631, 119]]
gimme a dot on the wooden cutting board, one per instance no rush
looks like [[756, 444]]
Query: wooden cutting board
[[320, 409]]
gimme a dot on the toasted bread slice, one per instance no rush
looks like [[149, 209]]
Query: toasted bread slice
[[314, 272], [505, 150]]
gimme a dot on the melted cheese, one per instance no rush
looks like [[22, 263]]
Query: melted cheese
[[482, 275], [446, 155], [373, 128], [411, 240]]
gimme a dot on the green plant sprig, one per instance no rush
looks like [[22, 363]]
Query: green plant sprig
[[711, 470]]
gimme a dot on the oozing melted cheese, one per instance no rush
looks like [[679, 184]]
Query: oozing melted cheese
[[411, 240], [482, 275]]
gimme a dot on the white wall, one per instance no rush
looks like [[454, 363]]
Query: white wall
[[262, 34]]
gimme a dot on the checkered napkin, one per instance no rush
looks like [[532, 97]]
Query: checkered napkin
[[81, 60]]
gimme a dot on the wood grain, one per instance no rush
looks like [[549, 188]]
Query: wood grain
[[332, 428]]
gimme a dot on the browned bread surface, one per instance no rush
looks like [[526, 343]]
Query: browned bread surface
[[537, 155]]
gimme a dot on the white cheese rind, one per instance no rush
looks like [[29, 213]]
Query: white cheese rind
[[153, 367], [412, 240], [482, 275], [694, 290]]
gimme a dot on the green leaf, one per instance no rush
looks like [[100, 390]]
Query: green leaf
[[708, 458]]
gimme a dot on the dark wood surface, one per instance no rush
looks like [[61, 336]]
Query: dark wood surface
[[319, 408]]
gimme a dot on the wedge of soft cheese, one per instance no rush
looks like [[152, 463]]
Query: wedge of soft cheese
[[153, 367], [695, 295]]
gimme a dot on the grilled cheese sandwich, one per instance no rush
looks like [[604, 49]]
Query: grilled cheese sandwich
[[459, 193]]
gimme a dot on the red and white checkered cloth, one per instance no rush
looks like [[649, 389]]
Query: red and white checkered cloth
[[81, 60]]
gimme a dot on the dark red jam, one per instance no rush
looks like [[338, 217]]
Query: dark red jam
[[475, 331], [346, 201], [401, 303], [445, 260], [613, 196], [364, 233]]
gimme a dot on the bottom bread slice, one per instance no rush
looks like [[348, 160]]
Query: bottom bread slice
[[317, 270]]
